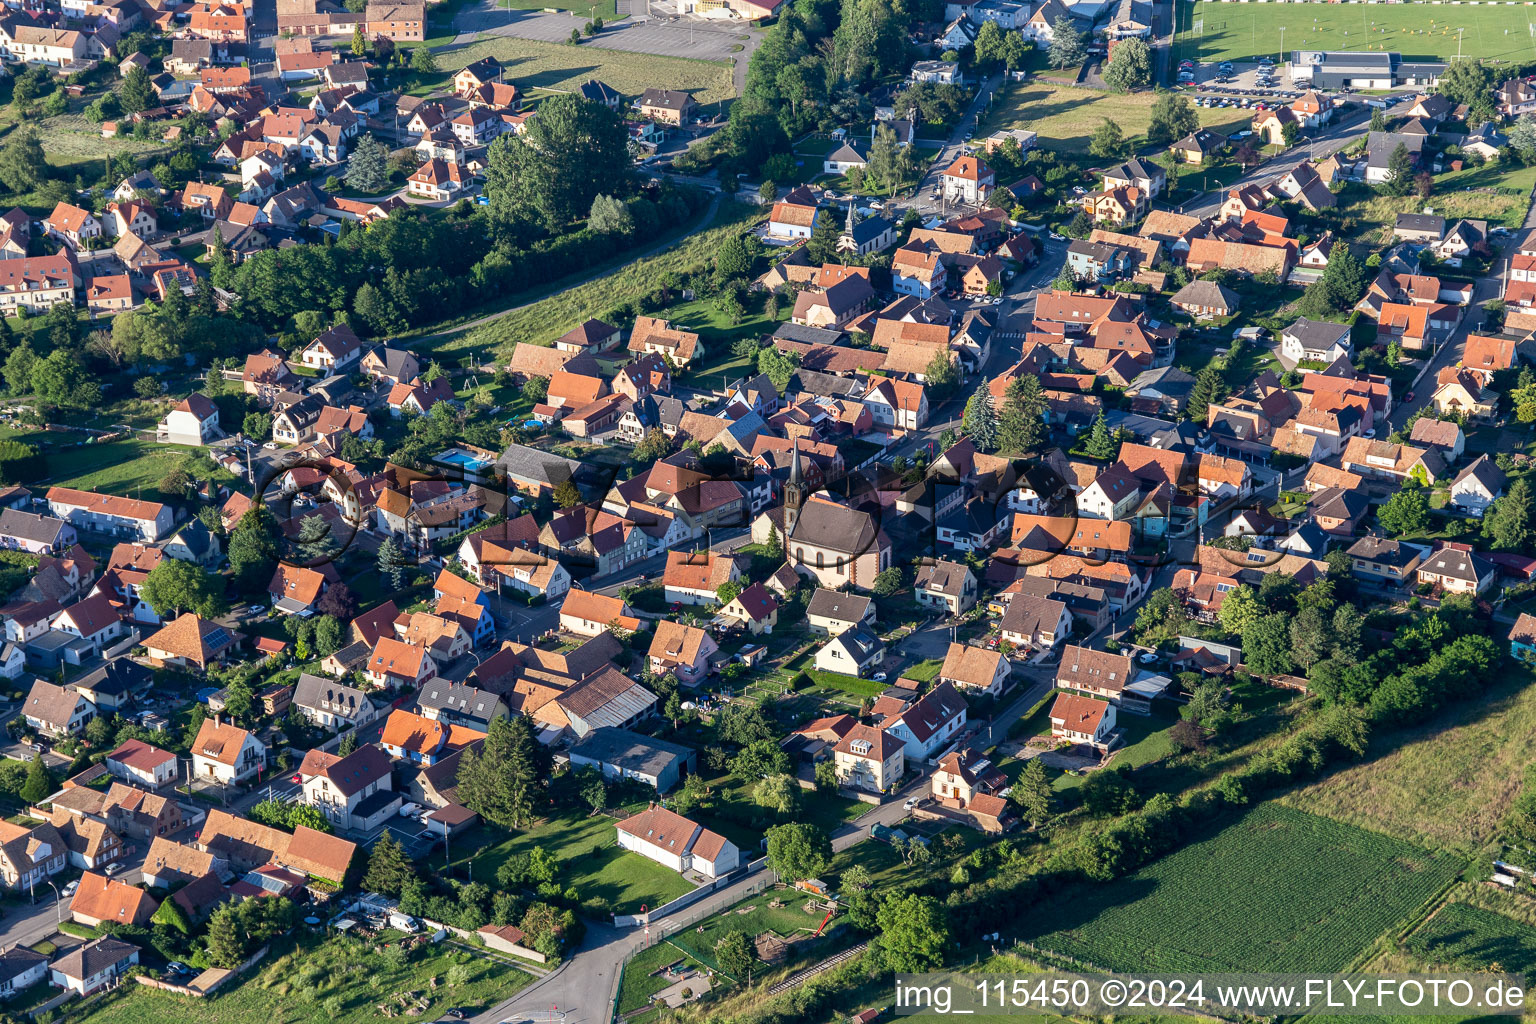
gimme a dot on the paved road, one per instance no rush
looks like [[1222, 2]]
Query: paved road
[[582, 990], [1324, 144]]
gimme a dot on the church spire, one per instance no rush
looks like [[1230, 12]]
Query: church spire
[[793, 495]]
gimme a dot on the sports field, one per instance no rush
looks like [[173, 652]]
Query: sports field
[[1277, 890], [1210, 30]]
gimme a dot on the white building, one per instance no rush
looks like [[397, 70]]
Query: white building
[[672, 840]]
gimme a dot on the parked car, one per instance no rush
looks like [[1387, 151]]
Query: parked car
[[69, 890]]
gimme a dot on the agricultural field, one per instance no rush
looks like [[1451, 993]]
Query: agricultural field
[[1447, 784], [1212, 31], [1066, 116], [1278, 890], [335, 981], [1471, 938], [534, 66]]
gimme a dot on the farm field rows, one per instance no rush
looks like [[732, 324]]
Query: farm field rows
[[1419, 31], [1472, 938], [1277, 890]]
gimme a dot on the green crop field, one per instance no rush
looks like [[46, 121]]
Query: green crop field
[[1474, 939], [1210, 30], [1278, 890]]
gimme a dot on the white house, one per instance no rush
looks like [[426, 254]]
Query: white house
[[927, 726], [55, 710], [353, 792], [1318, 341], [194, 420], [672, 840], [334, 350], [20, 969], [139, 762], [94, 965], [1477, 486], [225, 753], [852, 652], [1079, 719], [330, 704]]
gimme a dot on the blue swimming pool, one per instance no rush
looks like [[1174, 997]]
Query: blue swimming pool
[[464, 460]]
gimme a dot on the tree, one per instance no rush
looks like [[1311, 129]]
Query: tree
[[1378, 120], [1020, 426], [1129, 67], [654, 445], [422, 60], [1470, 82], [174, 586], [821, 247], [1508, 523], [798, 851], [1209, 388], [768, 191], [359, 41], [734, 259], [609, 216], [1172, 118], [760, 759], [391, 562], [1240, 608], [913, 932], [1343, 282], [726, 592], [1108, 141], [1405, 512], [988, 48], [889, 163], [1399, 179], [734, 955], [500, 783], [888, 581], [1290, 133], [979, 423], [368, 166], [136, 93], [1033, 792], [62, 379], [778, 793], [253, 548], [942, 375], [594, 791], [826, 776], [1066, 44], [778, 366], [574, 151], [40, 782], [1267, 645], [1309, 637], [1101, 443], [566, 495], [1522, 136]]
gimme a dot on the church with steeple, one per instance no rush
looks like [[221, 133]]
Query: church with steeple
[[824, 540]]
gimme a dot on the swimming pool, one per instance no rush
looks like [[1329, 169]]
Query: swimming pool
[[464, 460]]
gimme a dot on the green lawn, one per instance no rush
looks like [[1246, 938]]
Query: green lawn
[[733, 814], [754, 916], [605, 9], [718, 365], [1277, 890], [332, 981], [1146, 741], [923, 671], [592, 863], [532, 65], [120, 467], [1224, 31], [1066, 116]]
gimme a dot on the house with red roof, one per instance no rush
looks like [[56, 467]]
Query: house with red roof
[[674, 841]]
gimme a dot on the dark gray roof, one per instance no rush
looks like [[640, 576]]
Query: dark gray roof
[[1381, 145], [1135, 167], [529, 464], [1421, 222], [824, 384], [460, 698], [120, 676], [631, 751], [834, 605], [1167, 380], [26, 526], [860, 643], [807, 335], [826, 524], [946, 578], [1206, 293], [197, 538], [312, 691], [18, 960], [1317, 334], [1466, 566], [598, 92], [668, 99], [94, 957], [1383, 550], [869, 229], [1485, 472], [191, 49]]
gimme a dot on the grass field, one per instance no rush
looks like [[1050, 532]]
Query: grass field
[[1417, 30], [337, 981], [534, 65], [122, 467], [591, 862], [1066, 116], [640, 980], [1278, 890], [754, 916], [1471, 938], [1446, 785], [544, 321]]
